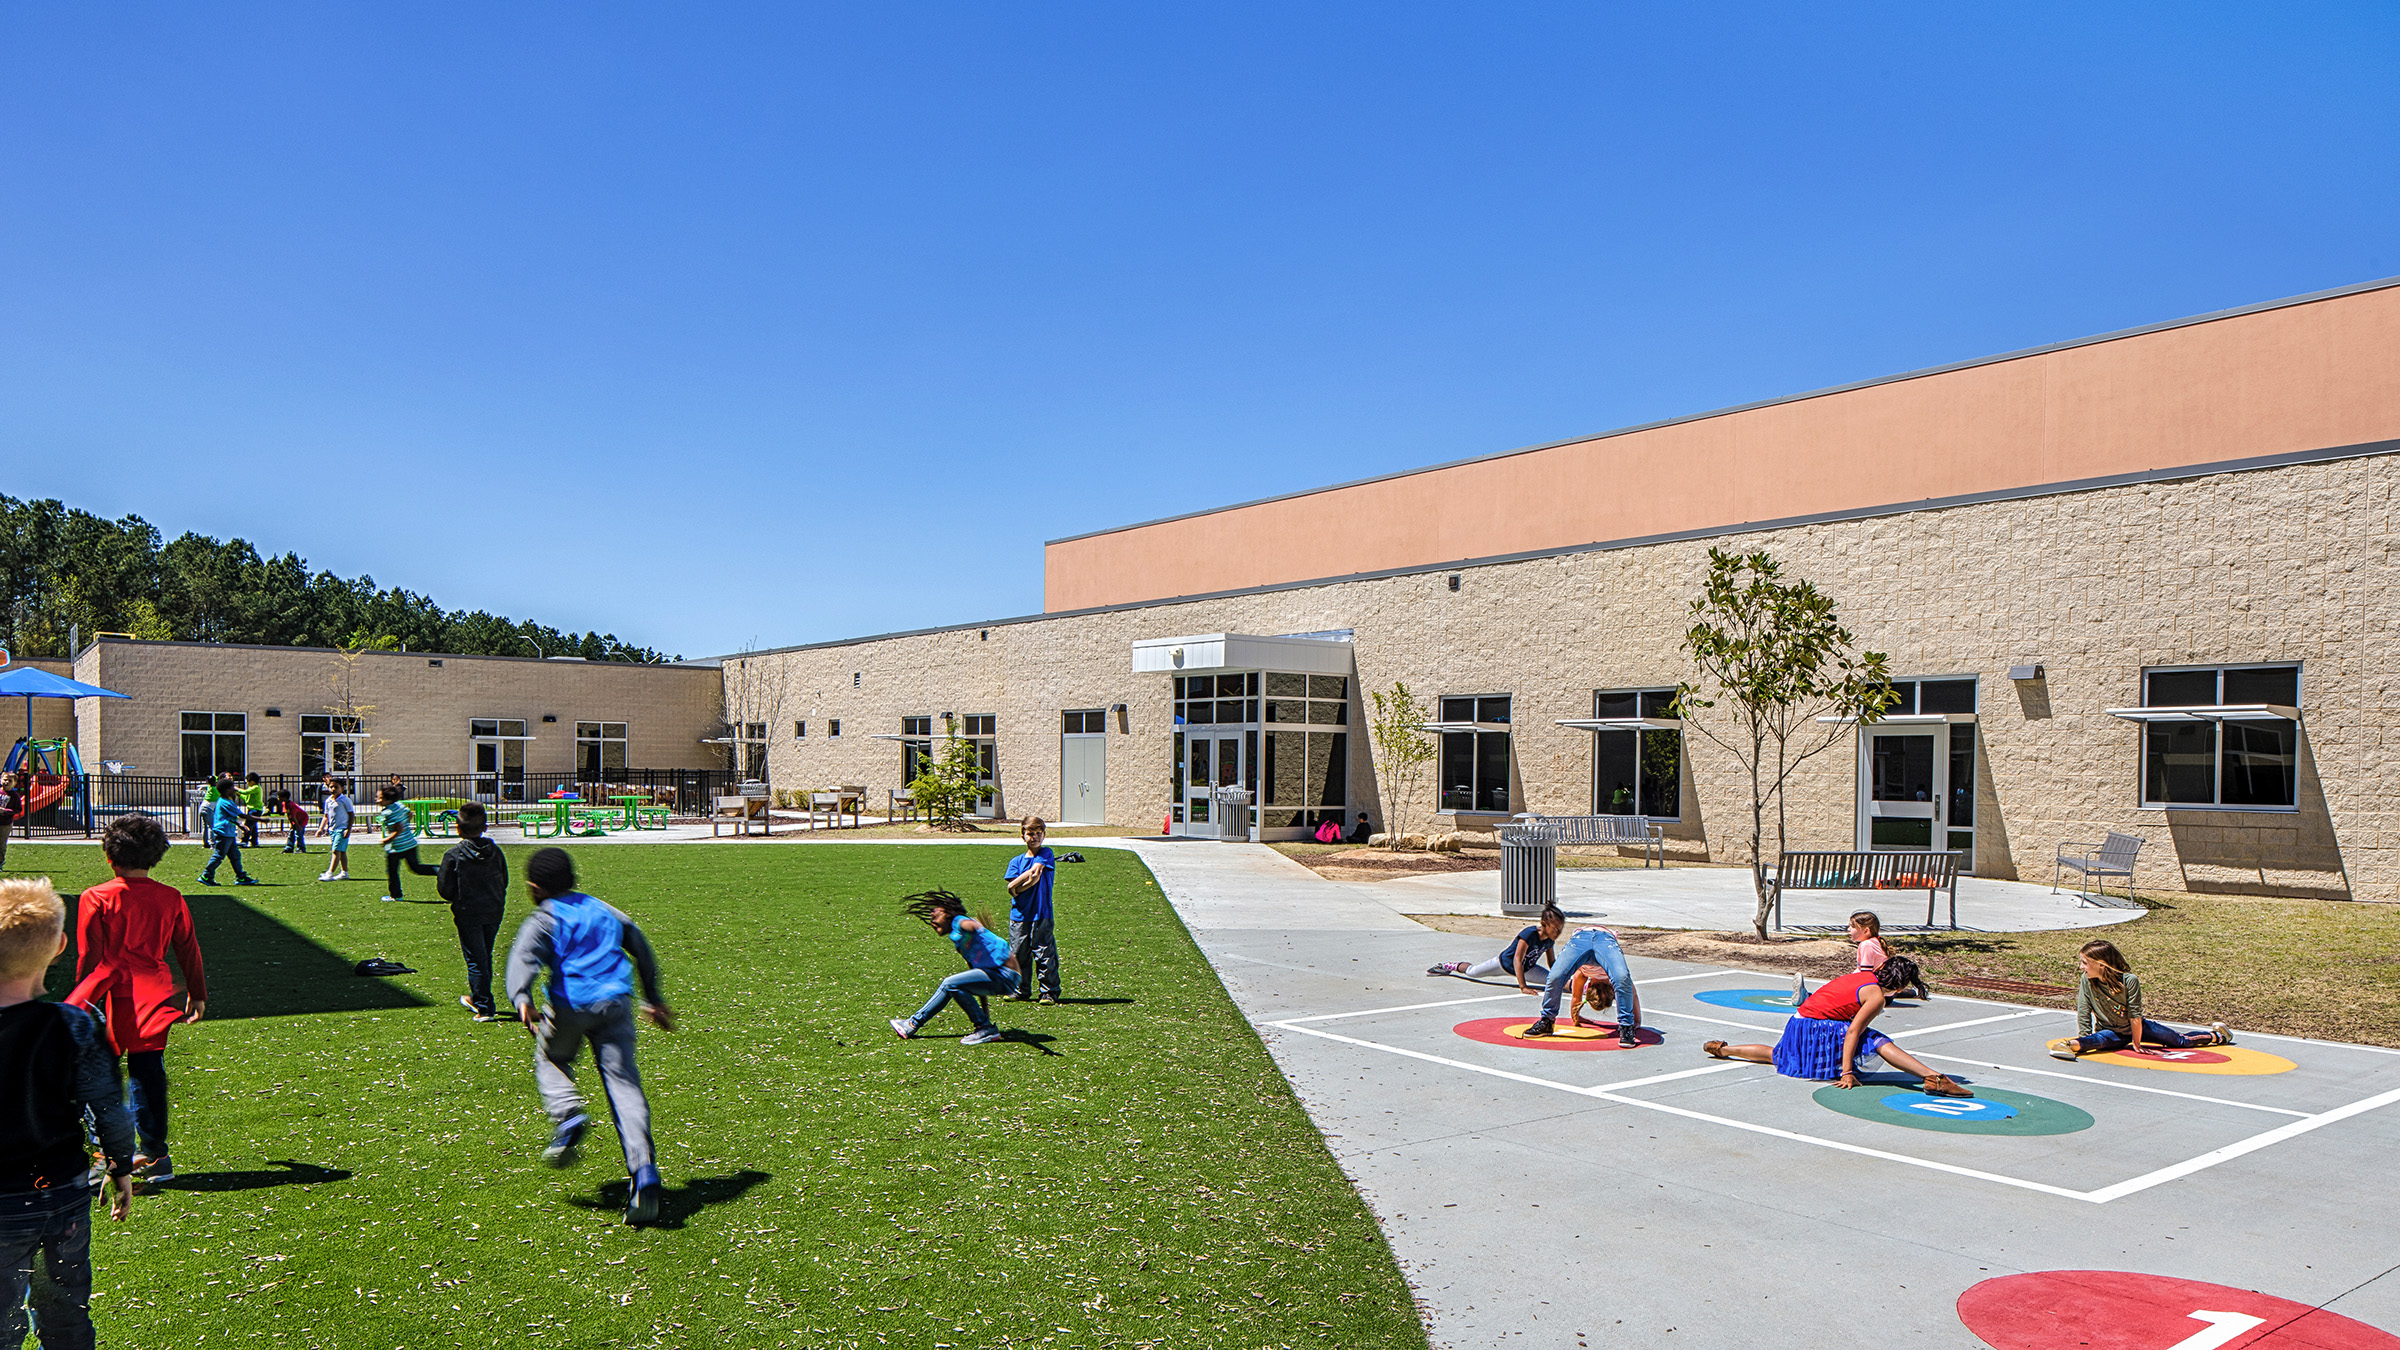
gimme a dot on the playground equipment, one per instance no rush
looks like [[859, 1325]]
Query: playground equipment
[[57, 772]]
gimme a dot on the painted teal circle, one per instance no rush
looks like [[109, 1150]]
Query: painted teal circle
[[1947, 1108], [1759, 1000], [2026, 1114]]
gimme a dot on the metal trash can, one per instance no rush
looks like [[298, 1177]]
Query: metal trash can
[[1528, 870], [1232, 814]]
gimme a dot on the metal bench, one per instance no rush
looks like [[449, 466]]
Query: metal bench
[[1622, 830], [2111, 857], [1932, 873]]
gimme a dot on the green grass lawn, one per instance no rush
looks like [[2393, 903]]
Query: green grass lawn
[[359, 1163]]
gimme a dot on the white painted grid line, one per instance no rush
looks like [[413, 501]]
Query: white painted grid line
[[1405, 1007], [2235, 1150], [2112, 1083]]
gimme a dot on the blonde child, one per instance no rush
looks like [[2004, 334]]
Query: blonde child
[[1866, 929], [57, 1067], [2108, 1011]]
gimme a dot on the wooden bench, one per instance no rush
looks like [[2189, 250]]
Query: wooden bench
[[1622, 830], [1932, 873], [2111, 857], [734, 811]]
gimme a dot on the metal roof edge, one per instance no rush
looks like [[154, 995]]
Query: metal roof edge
[[2313, 297], [379, 651]]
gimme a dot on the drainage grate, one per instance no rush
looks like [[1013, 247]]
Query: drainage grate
[[2004, 986]]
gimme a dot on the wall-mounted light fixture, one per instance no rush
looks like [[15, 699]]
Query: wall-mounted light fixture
[[1454, 581], [2032, 672], [549, 717], [433, 662], [274, 712], [1124, 718]]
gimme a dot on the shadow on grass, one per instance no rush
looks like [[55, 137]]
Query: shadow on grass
[[293, 1174], [1094, 1001], [259, 966], [678, 1203]]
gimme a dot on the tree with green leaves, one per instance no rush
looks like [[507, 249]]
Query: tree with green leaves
[[1775, 655], [1404, 754], [948, 785]]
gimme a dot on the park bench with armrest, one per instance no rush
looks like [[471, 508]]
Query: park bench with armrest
[[2096, 863], [1620, 830], [1932, 873]]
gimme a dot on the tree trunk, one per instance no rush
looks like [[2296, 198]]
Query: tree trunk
[[1758, 861]]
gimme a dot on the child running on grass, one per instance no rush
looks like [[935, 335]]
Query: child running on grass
[[54, 1068], [991, 972], [338, 811], [1522, 958], [2108, 1011], [399, 841], [590, 954], [124, 930], [1827, 1035], [225, 836], [474, 879]]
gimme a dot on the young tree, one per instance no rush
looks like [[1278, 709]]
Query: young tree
[[1404, 754], [949, 784], [1776, 655]]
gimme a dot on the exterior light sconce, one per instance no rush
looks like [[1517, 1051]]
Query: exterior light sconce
[[2020, 673], [1454, 581], [274, 712], [1124, 718], [549, 717]]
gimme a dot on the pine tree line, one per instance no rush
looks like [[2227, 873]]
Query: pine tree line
[[67, 570]]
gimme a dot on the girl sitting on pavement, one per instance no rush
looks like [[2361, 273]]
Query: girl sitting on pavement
[[1827, 1035], [991, 972], [2108, 1011], [1522, 958]]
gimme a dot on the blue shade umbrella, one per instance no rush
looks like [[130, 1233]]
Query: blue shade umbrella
[[30, 683]]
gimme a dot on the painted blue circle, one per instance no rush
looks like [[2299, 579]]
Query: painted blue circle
[[1762, 1000], [1948, 1108]]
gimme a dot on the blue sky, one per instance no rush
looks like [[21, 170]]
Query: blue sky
[[589, 313]]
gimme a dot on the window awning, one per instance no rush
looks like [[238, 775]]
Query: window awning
[[2219, 712], [1913, 719], [904, 736], [1446, 727], [1622, 723]]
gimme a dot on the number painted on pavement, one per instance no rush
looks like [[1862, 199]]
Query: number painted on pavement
[[2222, 1328]]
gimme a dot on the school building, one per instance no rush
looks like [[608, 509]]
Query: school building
[[2141, 582]]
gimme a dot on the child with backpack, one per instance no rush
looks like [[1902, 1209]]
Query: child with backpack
[[55, 1069], [587, 956]]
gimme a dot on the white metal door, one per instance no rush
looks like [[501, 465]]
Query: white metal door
[[1083, 780]]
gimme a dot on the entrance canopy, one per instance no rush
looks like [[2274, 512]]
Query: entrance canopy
[[1261, 746], [1313, 654]]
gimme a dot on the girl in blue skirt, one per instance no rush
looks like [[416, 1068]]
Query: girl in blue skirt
[[1830, 1031]]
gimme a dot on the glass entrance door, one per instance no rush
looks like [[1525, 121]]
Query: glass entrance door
[[499, 769], [1211, 760], [1917, 790]]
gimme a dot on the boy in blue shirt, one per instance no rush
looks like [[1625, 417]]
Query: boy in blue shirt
[[1032, 940], [991, 971], [225, 835], [591, 954]]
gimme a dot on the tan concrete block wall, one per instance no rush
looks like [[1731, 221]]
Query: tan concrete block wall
[[2290, 564], [419, 711]]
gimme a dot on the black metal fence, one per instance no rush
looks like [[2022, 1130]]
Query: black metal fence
[[685, 792]]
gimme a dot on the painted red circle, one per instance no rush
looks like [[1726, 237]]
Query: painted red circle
[[1500, 1031], [2117, 1310], [2179, 1056]]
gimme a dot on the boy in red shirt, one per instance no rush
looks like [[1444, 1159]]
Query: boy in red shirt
[[295, 816], [123, 932]]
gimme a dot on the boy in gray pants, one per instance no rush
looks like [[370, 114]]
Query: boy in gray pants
[[591, 954]]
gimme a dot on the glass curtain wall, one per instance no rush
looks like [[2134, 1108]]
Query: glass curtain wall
[[1307, 765]]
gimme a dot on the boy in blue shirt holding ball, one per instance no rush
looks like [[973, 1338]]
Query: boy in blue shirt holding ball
[[1032, 938]]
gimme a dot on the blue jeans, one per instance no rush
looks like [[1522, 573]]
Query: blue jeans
[[970, 988], [146, 1084], [1592, 946], [46, 1247], [226, 847], [2153, 1033]]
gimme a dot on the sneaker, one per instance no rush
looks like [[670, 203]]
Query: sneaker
[[1049, 1000], [2065, 1049], [325, 876], [1628, 1037], [642, 1206], [905, 1027], [1544, 1027], [1438, 968], [245, 881], [1940, 1085], [153, 1170], [204, 880], [2222, 1032], [561, 1150], [480, 1015], [982, 1036], [393, 900]]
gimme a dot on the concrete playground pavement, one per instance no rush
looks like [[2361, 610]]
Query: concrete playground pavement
[[1556, 1197]]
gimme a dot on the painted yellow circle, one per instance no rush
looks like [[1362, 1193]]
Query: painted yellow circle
[[2227, 1059]]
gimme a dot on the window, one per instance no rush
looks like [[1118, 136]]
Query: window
[[496, 757], [1475, 755], [833, 726], [215, 743], [328, 745], [799, 731], [916, 752], [1931, 696], [979, 726], [599, 751], [1637, 771], [2246, 755], [1084, 723], [1304, 759], [753, 739], [1218, 700]]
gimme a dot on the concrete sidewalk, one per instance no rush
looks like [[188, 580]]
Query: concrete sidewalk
[[1545, 1196]]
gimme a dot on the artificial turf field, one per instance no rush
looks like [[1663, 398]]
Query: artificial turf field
[[359, 1163]]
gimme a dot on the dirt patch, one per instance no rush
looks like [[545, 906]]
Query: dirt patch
[[1374, 864]]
